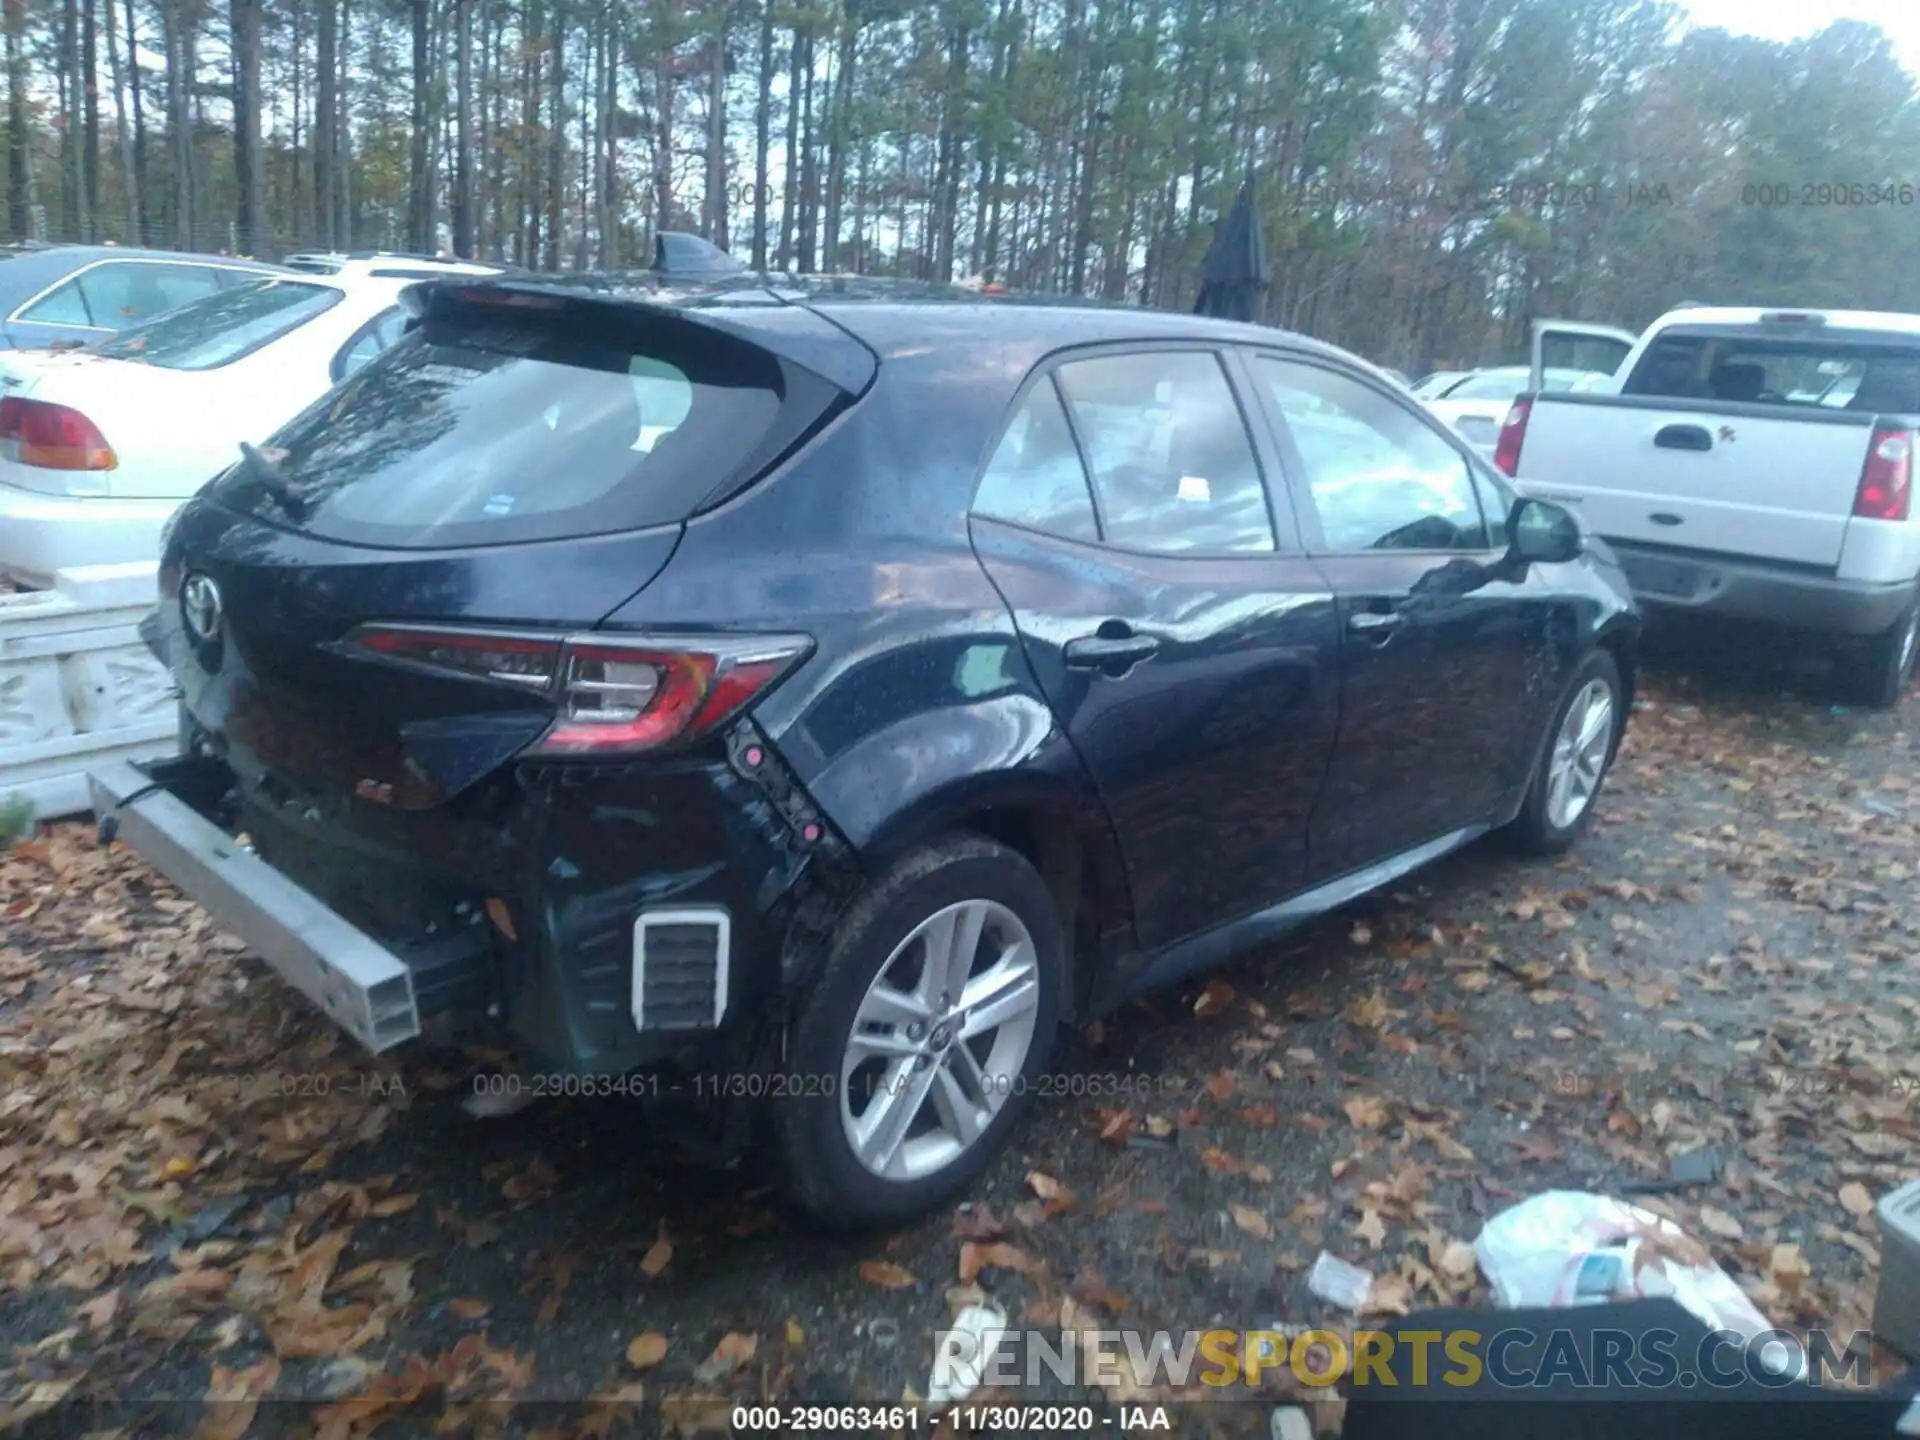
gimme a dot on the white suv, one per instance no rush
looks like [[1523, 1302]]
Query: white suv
[[98, 447]]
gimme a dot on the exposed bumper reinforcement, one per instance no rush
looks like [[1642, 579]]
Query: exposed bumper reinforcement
[[360, 983]]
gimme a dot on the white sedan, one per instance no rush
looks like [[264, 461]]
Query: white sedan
[[98, 447], [1476, 404]]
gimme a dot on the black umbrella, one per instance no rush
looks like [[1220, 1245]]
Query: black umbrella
[[1235, 275]]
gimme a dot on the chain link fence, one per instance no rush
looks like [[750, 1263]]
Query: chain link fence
[[202, 237]]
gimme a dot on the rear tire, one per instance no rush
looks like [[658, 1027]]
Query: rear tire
[[1886, 671], [906, 1076], [1574, 762]]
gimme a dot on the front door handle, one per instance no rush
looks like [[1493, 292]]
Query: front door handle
[[1114, 654], [1379, 626]]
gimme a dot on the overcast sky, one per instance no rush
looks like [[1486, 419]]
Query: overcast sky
[[1788, 19]]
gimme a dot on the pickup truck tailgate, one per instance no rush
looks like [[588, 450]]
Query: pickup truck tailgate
[[1767, 486]]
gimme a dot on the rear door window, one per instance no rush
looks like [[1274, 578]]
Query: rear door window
[[1035, 478], [1166, 445], [490, 427], [223, 327]]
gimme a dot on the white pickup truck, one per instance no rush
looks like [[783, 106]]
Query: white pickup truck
[[1756, 464]]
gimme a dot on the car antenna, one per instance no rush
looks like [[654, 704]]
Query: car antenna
[[270, 476]]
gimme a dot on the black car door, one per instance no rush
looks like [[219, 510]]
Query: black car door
[[1441, 678], [1184, 642]]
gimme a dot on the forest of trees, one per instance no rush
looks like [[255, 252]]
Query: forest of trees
[[1431, 172]]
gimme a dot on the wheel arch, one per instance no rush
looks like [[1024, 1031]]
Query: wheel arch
[[1059, 829], [1620, 638]]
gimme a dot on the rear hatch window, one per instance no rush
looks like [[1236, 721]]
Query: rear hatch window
[[223, 327], [1853, 372], [511, 421]]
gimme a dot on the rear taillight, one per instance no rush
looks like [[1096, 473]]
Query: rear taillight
[[52, 437], [1886, 480], [612, 694], [526, 660], [1513, 434]]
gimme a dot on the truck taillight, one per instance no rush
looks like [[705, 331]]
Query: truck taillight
[[51, 437], [1513, 434], [1886, 480], [614, 694]]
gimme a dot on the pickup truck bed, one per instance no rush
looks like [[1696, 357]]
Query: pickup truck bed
[[1753, 463], [1727, 506]]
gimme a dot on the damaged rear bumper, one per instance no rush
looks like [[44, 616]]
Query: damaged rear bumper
[[639, 915], [365, 987]]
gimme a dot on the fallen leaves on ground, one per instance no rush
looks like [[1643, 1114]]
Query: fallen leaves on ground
[[659, 1255], [735, 1349], [1722, 962], [1214, 999], [887, 1275], [646, 1350], [1368, 1112], [975, 1257], [1251, 1221]]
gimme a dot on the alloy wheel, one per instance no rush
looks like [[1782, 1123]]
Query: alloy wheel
[[1580, 752], [940, 1040]]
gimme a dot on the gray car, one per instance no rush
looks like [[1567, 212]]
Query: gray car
[[76, 294]]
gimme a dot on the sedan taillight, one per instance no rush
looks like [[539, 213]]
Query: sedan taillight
[[52, 437]]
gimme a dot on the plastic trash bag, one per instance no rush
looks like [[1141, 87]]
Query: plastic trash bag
[[963, 1354], [1567, 1247], [1338, 1283]]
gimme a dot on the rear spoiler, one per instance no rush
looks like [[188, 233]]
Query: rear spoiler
[[749, 311]]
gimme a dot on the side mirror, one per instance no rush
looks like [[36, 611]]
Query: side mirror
[[1542, 533]]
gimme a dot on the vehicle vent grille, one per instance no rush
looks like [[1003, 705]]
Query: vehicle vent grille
[[680, 969]]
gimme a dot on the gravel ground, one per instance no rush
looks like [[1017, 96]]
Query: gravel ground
[[206, 1195]]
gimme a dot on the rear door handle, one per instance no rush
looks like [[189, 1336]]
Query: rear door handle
[[1111, 653], [1683, 437]]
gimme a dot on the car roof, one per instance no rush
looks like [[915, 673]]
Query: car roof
[[348, 282], [1891, 321], [1522, 372], [393, 266], [54, 260], [897, 319], [901, 323]]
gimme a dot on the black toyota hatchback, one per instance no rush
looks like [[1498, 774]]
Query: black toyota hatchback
[[806, 704]]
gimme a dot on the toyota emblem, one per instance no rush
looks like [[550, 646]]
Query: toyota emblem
[[200, 604]]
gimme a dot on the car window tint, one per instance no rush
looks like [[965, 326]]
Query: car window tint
[[386, 328], [1035, 477], [62, 305], [124, 294], [1168, 450], [1380, 476], [224, 326]]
